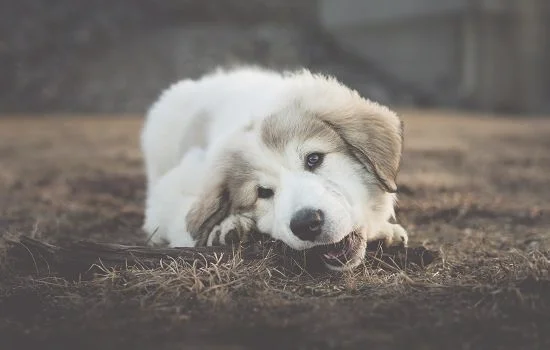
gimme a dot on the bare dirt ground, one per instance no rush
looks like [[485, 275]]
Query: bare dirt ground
[[475, 188]]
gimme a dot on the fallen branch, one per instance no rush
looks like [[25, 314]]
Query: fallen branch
[[80, 259]]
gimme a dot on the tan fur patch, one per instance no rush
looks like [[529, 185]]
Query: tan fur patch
[[370, 133], [278, 132], [374, 136]]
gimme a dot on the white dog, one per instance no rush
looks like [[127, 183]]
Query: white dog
[[296, 156]]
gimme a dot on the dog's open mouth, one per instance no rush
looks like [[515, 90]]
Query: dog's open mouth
[[338, 254]]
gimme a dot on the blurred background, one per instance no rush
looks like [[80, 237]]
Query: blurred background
[[115, 56]]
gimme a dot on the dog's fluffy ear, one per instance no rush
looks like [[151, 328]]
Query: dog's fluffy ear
[[374, 135], [211, 207]]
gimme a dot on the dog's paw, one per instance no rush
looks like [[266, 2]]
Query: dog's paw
[[231, 230], [393, 235], [397, 236]]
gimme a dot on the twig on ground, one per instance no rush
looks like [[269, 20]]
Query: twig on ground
[[82, 258]]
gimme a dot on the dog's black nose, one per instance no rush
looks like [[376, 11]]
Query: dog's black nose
[[306, 223]]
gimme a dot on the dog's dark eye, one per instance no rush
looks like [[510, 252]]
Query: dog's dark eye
[[313, 160], [265, 192]]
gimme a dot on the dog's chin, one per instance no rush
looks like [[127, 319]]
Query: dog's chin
[[345, 254]]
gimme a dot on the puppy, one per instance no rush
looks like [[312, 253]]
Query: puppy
[[295, 155]]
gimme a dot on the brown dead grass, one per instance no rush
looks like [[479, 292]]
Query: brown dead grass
[[474, 188]]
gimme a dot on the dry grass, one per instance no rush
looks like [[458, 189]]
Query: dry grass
[[475, 189]]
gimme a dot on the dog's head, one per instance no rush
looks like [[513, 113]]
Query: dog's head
[[320, 173]]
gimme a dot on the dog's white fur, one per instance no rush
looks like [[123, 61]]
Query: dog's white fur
[[195, 124]]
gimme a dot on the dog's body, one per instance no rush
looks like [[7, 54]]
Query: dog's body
[[297, 156]]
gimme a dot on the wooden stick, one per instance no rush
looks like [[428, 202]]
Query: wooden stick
[[75, 259]]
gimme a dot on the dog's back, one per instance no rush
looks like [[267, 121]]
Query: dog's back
[[196, 113]]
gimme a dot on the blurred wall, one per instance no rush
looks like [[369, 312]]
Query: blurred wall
[[112, 56], [115, 56], [487, 54]]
